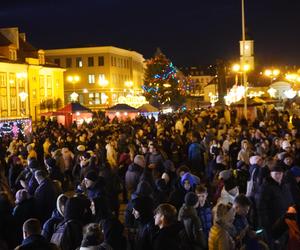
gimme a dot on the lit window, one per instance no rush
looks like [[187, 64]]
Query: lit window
[[91, 79], [78, 62]]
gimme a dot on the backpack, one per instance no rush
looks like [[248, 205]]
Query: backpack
[[62, 230], [57, 236]]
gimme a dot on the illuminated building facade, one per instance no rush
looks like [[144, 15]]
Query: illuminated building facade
[[98, 77], [28, 85]]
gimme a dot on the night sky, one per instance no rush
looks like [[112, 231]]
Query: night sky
[[189, 32]]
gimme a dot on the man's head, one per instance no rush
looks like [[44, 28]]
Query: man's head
[[90, 179], [241, 205], [31, 227], [277, 173], [165, 215], [201, 192]]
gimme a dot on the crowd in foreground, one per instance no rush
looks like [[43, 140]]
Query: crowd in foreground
[[192, 180]]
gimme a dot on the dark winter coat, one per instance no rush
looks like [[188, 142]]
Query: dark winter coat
[[205, 215], [132, 176], [36, 242], [22, 212], [45, 197], [168, 237], [144, 234], [273, 202], [195, 237], [51, 224]]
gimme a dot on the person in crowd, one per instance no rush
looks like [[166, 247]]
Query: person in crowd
[[68, 234], [33, 238], [24, 209], [195, 237], [134, 173], [142, 210], [166, 237], [220, 233], [45, 195], [94, 184], [187, 184], [57, 217], [204, 210], [93, 238], [274, 200]]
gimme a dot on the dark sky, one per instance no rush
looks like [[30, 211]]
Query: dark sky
[[189, 32]]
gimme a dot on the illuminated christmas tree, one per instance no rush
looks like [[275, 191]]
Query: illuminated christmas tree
[[161, 85]]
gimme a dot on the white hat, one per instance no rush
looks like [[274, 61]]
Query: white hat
[[285, 144]]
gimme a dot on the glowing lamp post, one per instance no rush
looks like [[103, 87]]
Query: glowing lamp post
[[73, 79]]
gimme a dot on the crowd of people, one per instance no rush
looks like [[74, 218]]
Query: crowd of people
[[193, 180]]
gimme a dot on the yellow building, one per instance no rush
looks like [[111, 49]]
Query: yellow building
[[99, 76], [28, 85]]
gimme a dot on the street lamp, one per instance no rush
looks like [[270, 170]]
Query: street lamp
[[73, 79], [272, 73]]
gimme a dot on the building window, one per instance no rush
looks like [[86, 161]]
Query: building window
[[57, 61], [115, 61], [69, 62], [91, 61], [100, 60], [91, 79], [78, 62]]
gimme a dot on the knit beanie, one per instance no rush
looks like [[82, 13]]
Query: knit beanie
[[190, 199], [92, 176], [230, 184]]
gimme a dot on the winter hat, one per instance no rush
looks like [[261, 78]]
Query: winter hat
[[254, 159], [229, 184], [21, 195], [144, 205], [139, 160], [188, 177], [285, 144], [190, 199], [81, 148], [225, 174], [295, 171], [277, 168], [92, 176]]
